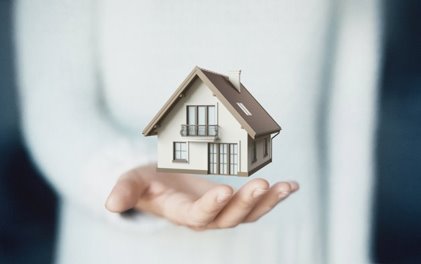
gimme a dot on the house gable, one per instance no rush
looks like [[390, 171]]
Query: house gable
[[256, 125], [229, 131]]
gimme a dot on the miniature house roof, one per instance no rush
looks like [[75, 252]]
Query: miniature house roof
[[242, 105]]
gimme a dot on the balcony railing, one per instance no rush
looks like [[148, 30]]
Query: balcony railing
[[199, 130]]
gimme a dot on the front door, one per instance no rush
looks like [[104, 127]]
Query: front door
[[223, 158]]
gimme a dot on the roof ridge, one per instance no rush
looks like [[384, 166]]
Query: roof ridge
[[226, 77], [214, 72]]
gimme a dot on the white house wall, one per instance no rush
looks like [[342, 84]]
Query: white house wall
[[230, 131]]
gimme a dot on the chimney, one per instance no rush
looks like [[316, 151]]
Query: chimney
[[234, 77]]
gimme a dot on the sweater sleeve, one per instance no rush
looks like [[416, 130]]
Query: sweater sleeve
[[351, 131], [65, 121]]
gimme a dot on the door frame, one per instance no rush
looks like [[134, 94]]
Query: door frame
[[218, 163]]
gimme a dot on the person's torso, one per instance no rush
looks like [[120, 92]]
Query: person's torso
[[146, 48]]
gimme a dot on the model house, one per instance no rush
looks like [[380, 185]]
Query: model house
[[213, 125]]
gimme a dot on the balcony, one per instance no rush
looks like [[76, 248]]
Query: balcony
[[199, 130]]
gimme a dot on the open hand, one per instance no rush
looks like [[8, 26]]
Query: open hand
[[195, 202]]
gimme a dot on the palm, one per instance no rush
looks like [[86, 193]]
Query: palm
[[195, 202]]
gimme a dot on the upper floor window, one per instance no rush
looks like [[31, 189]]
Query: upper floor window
[[201, 120]]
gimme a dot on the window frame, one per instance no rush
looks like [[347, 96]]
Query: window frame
[[231, 158], [174, 151], [197, 131], [266, 148], [254, 151], [224, 161]]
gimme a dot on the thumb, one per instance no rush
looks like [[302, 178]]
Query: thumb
[[126, 192]]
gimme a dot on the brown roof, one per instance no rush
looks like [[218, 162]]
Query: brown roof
[[259, 123]]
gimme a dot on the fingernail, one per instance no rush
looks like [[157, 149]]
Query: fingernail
[[258, 191], [111, 203], [222, 197], [282, 194], [294, 185]]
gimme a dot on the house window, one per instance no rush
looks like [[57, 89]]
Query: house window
[[180, 151], [213, 158], [245, 110], [266, 147], [223, 158], [254, 151], [201, 120], [211, 121], [191, 120], [233, 148]]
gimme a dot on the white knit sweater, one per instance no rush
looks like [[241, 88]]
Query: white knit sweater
[[93, 73]]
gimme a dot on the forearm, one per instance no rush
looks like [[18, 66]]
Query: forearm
[[351, 131], [65, 123]]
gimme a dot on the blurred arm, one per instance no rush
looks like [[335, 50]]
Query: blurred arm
[[352, 125], [65, 121]]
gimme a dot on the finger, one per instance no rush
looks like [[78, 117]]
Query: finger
[[126, 192], [174, 206], [294, 186], [241, 204], [277, 193], [166, 202], [205, 209]]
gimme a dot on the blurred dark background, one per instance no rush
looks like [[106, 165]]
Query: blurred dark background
[[28, 206], [397, 223]]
